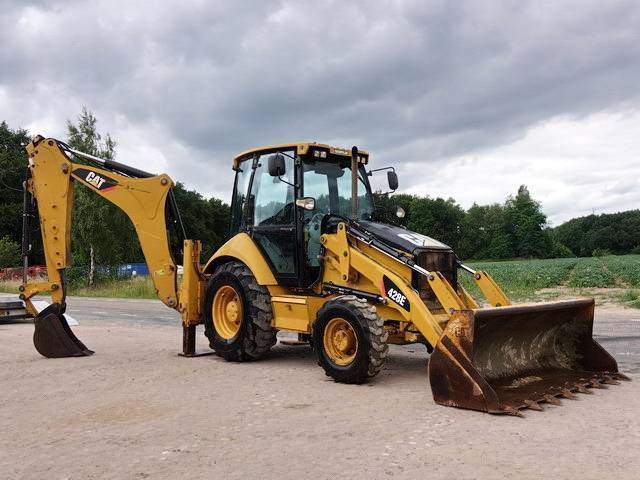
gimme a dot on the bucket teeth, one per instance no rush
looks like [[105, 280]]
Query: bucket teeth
[[552, 400], [512, 411], [610, 381], [620, 376], [583, 389], [566, 393], [596, 384], [533, 405]]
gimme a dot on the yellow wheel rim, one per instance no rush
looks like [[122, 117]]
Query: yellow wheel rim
[[227, 312], [340, 341]]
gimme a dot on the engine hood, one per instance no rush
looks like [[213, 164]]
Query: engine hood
[[403, 239]]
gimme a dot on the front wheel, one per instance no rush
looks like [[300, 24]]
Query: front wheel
[[350, 339]]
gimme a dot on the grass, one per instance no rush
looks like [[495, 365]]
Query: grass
[[519, 278], [630, 298], [610, 278], [139, 287], [592, 273], [626, 267], [544, 279]]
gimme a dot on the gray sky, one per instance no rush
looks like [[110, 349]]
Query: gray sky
[[468, 99]]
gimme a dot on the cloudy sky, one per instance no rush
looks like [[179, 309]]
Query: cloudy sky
[[468, 99]]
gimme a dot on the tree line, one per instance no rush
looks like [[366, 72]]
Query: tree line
[[595, 235], [103, 235], [516, 228]]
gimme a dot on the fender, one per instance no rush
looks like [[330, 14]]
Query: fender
[[241, 247]]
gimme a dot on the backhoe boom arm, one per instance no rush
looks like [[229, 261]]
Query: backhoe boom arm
[[53, 177]]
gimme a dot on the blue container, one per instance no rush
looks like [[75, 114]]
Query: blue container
[[128, 269]]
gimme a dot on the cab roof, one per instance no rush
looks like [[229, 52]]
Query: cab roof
[[302, 148]]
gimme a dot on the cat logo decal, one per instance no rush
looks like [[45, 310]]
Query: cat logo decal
[[99, 182]]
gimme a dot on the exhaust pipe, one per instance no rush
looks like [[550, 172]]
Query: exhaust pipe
[[354, 182]]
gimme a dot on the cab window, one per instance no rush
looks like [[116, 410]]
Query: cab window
[[238, 202], [273, 198]]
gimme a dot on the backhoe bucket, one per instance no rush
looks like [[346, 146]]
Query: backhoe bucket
[[53, 338], [504, 359]]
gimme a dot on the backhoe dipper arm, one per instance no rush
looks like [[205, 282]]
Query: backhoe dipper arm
[[53, 176]]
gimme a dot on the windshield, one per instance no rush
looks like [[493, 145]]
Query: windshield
[[329, 182]]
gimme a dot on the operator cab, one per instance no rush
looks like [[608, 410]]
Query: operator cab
[[282, 193]]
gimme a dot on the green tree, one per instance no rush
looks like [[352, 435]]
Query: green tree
[[438, 218], [485, 234], [204, 219], [102, 233], [13, 172], [10, 252], [526, 224], [616, 232], [13, 168], [385, 207]]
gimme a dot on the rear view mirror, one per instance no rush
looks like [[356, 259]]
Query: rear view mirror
[[276, 165], [308, 203], [392, 177]]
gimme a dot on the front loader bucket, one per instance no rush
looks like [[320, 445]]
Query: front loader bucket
[[53, 338], [504, 359]]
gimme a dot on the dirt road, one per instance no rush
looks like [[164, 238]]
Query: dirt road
[[137, 410]]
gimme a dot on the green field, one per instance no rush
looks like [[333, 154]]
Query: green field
[[613, 279]]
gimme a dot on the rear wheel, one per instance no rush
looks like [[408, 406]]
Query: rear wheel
[[350, 340], [238, 314]]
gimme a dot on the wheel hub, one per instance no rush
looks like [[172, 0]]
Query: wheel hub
[[227, 312], [340, 341]]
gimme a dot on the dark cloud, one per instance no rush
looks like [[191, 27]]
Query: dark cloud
[[412, 81]]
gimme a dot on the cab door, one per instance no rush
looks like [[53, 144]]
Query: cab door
[[273, 227]]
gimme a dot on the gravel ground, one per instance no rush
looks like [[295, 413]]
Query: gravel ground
[[137, 410]]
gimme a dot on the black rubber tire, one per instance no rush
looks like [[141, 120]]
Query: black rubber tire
[[256, 336], [369, 330]]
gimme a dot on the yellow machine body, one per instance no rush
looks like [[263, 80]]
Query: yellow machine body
[[499, 359]]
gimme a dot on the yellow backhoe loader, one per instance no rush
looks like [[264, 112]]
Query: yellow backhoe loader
[[307, 255]]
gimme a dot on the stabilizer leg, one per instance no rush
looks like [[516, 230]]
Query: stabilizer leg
[[189, 343]]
